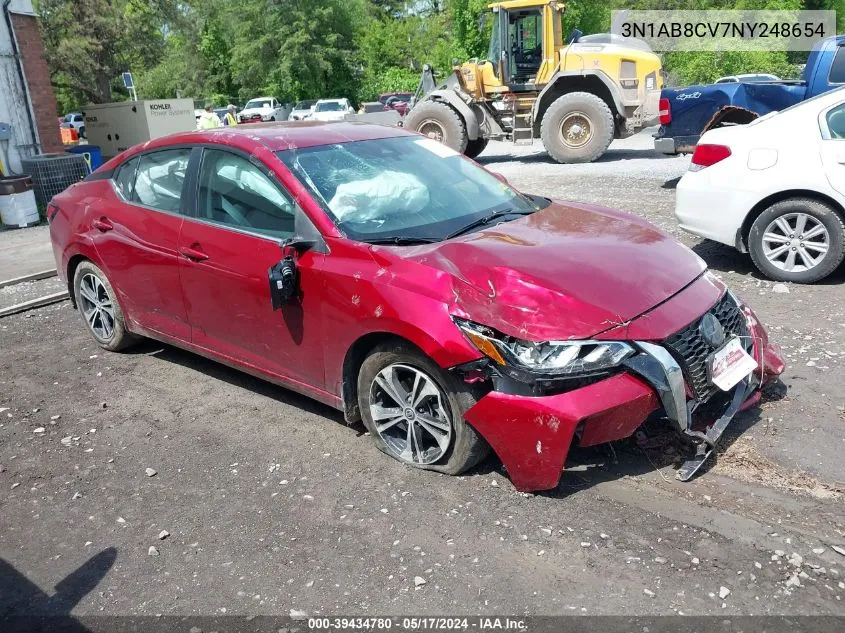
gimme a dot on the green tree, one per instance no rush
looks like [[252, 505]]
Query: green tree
[[90, 42], [296, 48]]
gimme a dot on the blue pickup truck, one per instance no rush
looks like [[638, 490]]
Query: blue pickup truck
[[686, 113]]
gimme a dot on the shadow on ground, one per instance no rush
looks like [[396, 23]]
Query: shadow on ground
[[542, 157], [25, 607], [585, 467]]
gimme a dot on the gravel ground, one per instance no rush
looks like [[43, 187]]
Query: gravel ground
[[271, 503], [29, 290]]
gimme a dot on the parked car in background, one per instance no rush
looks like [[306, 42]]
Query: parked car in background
[[331, 110], [263, 109], [302, 110], [405, 96], [748, 78], [686, 113], [774, 188], [388, 276], [75, 120], [400, 103]]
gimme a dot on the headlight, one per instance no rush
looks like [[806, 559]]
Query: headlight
[[560, 358]]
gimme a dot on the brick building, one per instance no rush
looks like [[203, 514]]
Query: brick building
[[27, 101]]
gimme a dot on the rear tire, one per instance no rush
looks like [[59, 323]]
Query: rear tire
[[97, 303], [474, 148], [464, 447], [440, 122], [774, 229], [577, 128]]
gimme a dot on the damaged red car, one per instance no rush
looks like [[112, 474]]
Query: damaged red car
[[381, 273]]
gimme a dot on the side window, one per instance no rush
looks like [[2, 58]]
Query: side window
[[124, 179], [234, 192], [160, 177], [837, 68], [836, 121], [78, 118]]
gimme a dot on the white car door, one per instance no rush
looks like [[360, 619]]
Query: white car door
[[832, 126]]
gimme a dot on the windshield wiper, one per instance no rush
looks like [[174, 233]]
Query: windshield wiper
[[401, 240], [486, 220]]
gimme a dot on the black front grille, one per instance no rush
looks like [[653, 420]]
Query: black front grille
[[692, 352]]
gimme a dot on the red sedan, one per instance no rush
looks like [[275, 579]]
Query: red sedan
[[381, 273]]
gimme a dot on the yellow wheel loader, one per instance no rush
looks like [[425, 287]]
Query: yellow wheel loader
[[576, 97]]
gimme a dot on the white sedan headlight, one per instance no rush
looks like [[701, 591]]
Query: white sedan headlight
[[563, 358]]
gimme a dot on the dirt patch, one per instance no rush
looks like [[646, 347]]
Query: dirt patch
[[741, 461]]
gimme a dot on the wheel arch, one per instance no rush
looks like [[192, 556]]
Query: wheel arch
[[596, 83], [730, 114], [780, 196], [72, 265], [352, 361]]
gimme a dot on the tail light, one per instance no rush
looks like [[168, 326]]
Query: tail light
[[52, 210], [706, 155], [665, 112]]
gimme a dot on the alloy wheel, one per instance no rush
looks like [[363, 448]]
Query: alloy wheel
[[409, 412], [576, 129], [97, 306], [796, 242]]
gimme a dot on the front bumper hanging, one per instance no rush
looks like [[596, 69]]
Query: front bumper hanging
[[657, 366]]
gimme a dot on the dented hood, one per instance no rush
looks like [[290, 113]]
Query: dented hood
[[568, 271]]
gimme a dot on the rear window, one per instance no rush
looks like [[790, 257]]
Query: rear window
[[837, 68]]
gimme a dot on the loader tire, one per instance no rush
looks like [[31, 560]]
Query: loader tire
[[474, 148], [577, 128], [440, 122]]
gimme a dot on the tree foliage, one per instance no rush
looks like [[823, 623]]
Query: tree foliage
[[228, 51]]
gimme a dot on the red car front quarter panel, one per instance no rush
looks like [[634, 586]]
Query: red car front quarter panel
[[532, 435]]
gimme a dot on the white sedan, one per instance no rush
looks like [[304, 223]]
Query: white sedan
[[774, 188]]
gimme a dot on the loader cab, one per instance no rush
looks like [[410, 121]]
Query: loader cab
[[524, 44]]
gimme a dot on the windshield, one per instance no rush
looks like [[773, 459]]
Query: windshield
[[304, 105], [329, 106], [257, 103], [403, 187]]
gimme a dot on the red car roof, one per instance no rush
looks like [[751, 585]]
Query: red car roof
[[273, 136], [287, 135]]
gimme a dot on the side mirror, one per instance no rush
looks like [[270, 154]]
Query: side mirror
[[574, 36], [283, 276], [283, 281]]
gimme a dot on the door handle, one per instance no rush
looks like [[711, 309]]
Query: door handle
[[102, 224], [193, 253]]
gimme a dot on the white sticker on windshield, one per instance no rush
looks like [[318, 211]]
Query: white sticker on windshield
[[438, 149]]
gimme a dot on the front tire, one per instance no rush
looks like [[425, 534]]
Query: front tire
[[799, 240], [414, 410], [97, 303], [440, 122], [577, 128]]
